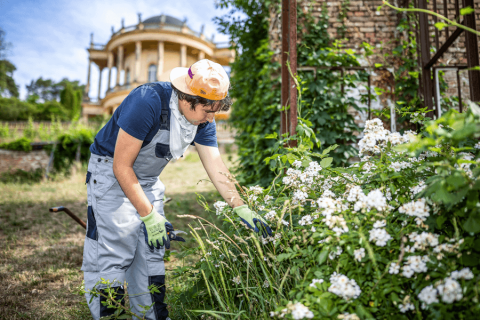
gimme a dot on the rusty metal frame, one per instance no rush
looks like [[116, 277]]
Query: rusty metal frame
[[427, 84], [289, 53], [428, 88]]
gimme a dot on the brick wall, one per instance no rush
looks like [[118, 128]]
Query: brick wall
[[14, 160], [364, 24]]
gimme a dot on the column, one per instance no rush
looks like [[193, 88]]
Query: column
[[100, 83], [110, 65], [183, 56], [87, 87], [119, 63], [138, 53], [161, 59], [201, 55]]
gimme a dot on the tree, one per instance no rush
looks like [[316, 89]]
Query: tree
[[45, 89], [7, 84], [71, 100]]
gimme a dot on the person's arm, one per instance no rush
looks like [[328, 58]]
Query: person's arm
[[213, 164], [126, 151]]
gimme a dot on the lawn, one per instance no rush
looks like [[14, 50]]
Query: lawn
[[41, 252]]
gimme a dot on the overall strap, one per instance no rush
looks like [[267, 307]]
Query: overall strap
[[165, 93]]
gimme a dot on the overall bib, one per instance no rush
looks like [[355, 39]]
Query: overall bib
[[115, 247]]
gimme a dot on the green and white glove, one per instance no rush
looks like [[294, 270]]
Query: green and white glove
[[156, 228], [250, 218]]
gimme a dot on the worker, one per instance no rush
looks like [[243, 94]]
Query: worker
[[127, 232]]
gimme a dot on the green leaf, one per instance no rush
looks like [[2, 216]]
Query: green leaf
[[467, 10], [440, 221], [414, 74], [441, 25], [378, 65], [331, 148], [325, 163], [473, 223], [470, 260], [271, 136], [363, 313], [322, 257], [378, 91]]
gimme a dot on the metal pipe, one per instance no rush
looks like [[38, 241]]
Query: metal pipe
[[473, 61], [293, 65], [285, 76], [369, 95], [444, 47], [457, 9], [459, 89], [435, 20], [445, 14], [70, 213], [425, 56]]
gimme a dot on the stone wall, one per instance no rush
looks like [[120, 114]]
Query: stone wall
[[14, 160], [363, 23]]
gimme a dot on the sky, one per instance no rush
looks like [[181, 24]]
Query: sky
[[49, 38]]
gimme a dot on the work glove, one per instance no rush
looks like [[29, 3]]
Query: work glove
[[251, 218], [156, 228]]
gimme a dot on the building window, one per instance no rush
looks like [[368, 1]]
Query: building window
[[152, 73], [127, 77]]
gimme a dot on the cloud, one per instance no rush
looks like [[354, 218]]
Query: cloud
[[50, 38]]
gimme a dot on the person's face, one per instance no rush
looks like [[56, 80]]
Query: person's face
[[200, 115]]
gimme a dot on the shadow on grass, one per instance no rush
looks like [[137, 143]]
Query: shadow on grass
[[42, 254]]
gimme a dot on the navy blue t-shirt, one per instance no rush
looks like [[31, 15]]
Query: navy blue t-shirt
[[139, 116]]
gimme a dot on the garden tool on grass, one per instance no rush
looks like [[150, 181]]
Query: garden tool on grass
[[70, 213]]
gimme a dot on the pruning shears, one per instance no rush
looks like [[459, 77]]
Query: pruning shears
[[172, 235]]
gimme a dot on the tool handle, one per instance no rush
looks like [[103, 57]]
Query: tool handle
[[70, 213]]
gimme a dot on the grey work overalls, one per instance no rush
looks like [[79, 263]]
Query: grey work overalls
[[115, 247]]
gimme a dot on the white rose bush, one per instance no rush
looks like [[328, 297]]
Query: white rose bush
[[393, 236]]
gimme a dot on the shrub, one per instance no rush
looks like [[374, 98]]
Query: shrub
[[393, 236], [22, 144], [65, 150], [13, 109]]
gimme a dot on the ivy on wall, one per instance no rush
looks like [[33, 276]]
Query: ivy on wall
[[256, 86]]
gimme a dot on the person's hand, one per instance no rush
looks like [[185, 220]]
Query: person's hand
[[251, 218], [155, 228]]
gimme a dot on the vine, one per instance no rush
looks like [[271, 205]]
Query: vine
[[256, 86]]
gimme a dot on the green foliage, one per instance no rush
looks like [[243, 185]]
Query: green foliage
[[403, 60], [29, 132], [65, 150], [256, 87], [395, 223], [114, 300], [7, 83], [4, 130], [71, 100], [257, 104], [22, 176], [48, 89], [14, 109], [22, 144]]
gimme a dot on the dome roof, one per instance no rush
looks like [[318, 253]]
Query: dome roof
[[164, 18]]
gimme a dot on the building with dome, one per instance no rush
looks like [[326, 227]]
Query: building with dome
[[146, 52]]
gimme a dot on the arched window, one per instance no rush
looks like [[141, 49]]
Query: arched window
[[152, 73], [127, 77]]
